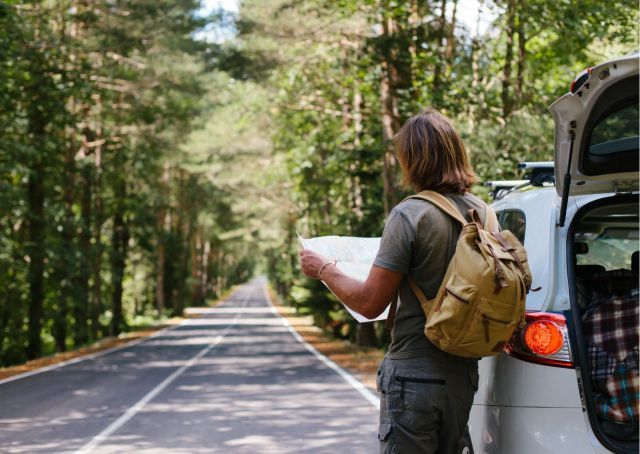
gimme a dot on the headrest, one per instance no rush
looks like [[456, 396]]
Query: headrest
[[588, 270], [581, 248]]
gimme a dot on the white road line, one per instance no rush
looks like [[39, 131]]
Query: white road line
[[87, 357], [354, 382], [133, 410]]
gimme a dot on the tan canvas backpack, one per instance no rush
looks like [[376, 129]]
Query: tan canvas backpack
[[481, 299]]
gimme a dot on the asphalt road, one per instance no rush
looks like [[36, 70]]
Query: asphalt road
[[236, 380]]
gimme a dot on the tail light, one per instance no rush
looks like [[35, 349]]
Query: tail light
[[542, 339]]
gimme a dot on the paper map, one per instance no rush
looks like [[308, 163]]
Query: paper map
[[354, 257]]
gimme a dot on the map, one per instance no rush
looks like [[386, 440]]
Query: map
[[354, 258]]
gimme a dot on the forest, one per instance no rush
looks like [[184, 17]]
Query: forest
[[153, 155]]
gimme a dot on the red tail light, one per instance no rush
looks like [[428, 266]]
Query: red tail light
[[542, 339]]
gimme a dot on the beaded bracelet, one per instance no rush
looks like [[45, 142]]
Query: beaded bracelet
[[323, 266]]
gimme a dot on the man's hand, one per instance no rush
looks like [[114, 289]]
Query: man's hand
[[312, 262]]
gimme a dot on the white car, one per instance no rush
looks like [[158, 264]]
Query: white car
[[540, 396]]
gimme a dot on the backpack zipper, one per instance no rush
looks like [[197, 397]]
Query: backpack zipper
[[466, 301], [505, 322], [444, 295]]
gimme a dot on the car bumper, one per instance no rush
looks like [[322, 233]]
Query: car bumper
[[529, 430]]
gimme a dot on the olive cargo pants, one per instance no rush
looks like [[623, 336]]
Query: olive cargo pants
[[424, 404]]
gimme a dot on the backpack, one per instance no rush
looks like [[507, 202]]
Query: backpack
[[481, 300]]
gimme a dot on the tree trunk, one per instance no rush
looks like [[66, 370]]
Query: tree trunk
[[440, 60], [160, 268], [187, 241], [196, 268], [507, 97], [522, 54], [388, 132], [357, 203], [67, 263], [204, 274], [120, 239], [396, 77], [475, 73], [82, 304], [6, 300], [161, 248], [451, 37], [35, 251], [96, 266]]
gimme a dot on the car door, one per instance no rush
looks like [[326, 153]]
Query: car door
[[596, 152]]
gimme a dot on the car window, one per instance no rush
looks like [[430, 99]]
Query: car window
[[611, 132], [610, 251], [514, 221], [615, 133]]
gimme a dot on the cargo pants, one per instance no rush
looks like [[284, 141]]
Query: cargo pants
[[424, 405]]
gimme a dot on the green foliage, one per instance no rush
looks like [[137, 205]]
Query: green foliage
[[101, 222]]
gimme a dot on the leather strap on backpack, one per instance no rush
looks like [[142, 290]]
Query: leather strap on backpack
[[507, 248]]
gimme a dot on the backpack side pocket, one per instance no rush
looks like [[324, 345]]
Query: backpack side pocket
[[452, 310]]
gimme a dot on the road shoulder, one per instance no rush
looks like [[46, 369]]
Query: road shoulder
[[107, 343]]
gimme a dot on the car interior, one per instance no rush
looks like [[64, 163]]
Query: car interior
[[606, 295]]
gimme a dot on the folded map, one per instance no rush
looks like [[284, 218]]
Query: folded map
[[354, 258]]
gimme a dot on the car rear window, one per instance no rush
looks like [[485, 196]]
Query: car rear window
[[616, 133], [610, 252], [612, 131]]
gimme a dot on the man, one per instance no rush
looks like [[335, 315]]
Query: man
[[426, 394]]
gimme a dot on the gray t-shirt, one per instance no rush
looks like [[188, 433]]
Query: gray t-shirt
[[419, 240]]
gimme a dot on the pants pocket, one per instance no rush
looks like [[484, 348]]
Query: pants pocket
[[419, 403], [387, 439]]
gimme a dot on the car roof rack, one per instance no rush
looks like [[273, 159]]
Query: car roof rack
[[500, 188], [538, 173]]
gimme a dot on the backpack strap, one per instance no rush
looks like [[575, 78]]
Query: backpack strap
[[490, 220], [441, 202], [391, 316], [417, 291]]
